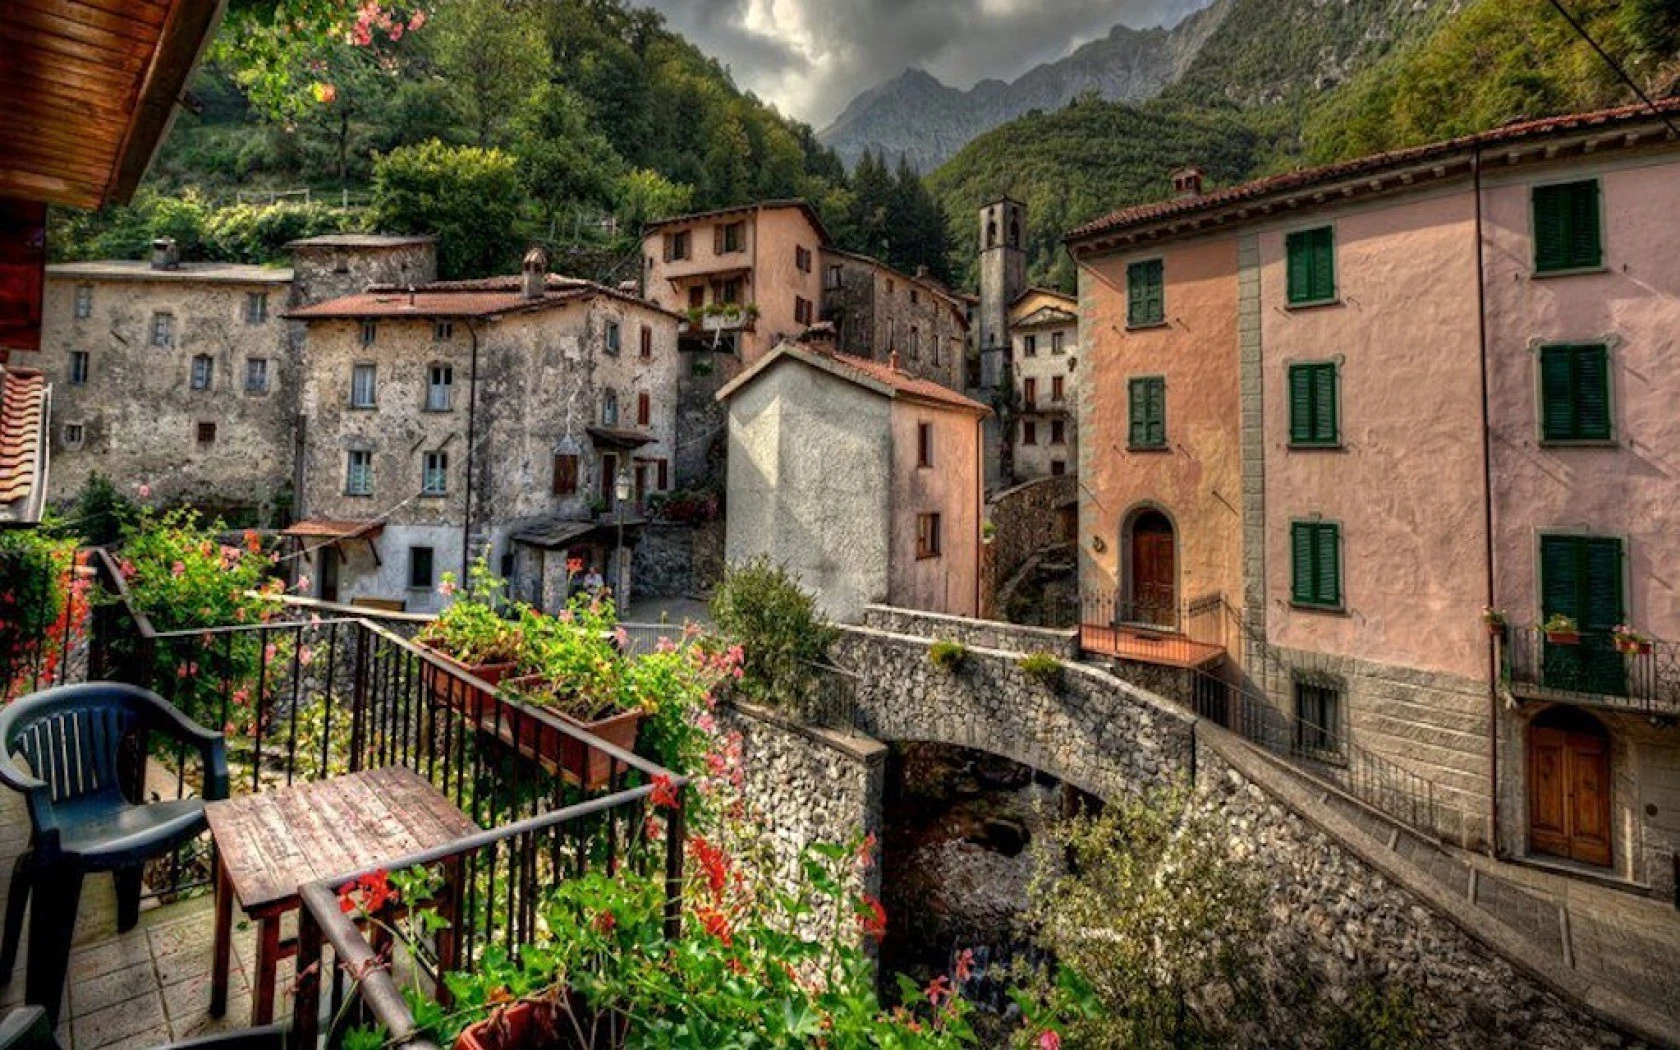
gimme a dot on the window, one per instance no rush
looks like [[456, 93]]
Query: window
[[729, 238], [644, 409], [1057, 388], [678, 246], [1058, 467], [915, 297], [1029, 345], [1312, 266], [565, 474], [832, 279], [1316, 564], [206, 433], [202, 369], [420, 568], [1146, 294], [434, 475], [1575, 393], [1029, 432], [927, 535], [84, 301], [924, 444], [370, 332], [440, 388], [697, 297], [892, 286], [163, 329], [256, 307], [1056, 342], [609, 408], [802, 258], [1314, 418], [363, 385], [802, 313], [1566, 227], [358, 473], [1147, 409], [1029, 392], [73, 435], [1058, 432], [728, 291], [443, 332], [78, 367], [647, 342], [256, 375], [1581, 577], [1318, 716], [662, 470], [915, 343], [341, 262], [613, 339]]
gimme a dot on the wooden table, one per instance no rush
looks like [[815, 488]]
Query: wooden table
[[268, 845]]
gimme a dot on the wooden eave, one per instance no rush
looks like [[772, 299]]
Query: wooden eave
[[89, 89]]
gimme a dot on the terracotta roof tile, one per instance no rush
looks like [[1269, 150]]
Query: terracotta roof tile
[[329, 528], [23, 425], [1307, 178]]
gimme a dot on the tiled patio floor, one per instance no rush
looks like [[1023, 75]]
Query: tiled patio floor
[[145, 988]]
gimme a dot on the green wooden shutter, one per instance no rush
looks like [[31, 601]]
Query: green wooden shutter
[[1155, 292], [1323, 265], [1324, 405], [1136, 410], [1301, 561], [1134, 294], [1300, 268], [1586, 247], [1557, 393], [1327, 565], [1300, 404], [1601, 594], [1550, 229], [1157, 411], [1560, 577], [1592, 393]]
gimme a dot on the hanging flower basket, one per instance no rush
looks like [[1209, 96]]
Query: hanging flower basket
[[452, 692], [1562, 630], [541, 740], [1629, 642]]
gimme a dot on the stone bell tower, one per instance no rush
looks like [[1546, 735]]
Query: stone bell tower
[[1003, 278]]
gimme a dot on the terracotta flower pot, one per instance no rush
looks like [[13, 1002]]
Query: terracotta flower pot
[[1494, 630], [1564, 637], [523, 1026], [590, 766], [458, 694]]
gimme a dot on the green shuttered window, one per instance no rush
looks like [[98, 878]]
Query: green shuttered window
[[1566, 227], [1146, 295], [1581, 577], [1316, 563], [1575, 393], [1314, 416], [1148, 405], [1312, 266]]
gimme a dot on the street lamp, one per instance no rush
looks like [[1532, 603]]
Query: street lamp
[[621, 489]]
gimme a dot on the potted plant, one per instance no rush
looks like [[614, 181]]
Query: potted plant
[[1494, 620], [472, 636], [1561, 630], [1629, 642], [573, 669]]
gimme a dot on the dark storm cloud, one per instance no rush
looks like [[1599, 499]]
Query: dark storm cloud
[[810, 57]]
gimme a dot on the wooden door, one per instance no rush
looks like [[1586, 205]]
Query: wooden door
[[1569, 791], [1154, 572]]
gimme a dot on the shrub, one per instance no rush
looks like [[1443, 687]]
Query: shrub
[[946, 654], [470, 198], [783, 636], [472, 629], [101, 512], [41, 608], [1043, 668]]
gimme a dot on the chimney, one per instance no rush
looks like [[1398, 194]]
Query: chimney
[[630, 288], [921, 271], [534, 270], [821, 337], [166, 254], [1187, 183]]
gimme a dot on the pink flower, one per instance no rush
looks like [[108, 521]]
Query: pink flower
[[396, 32], [179, 568], [1049, 1040], [418, 20], [145, 492], [269, 650], [446, 588], [303, 584], [621, 638], [306, 656]]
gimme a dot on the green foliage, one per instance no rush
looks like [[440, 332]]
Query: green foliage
[[1378, 1016], [469, 197], [563, 160], [575, 655], [471, 628], [894, 217], [39, 611], [761, 607], [251, 233], [1152, 920], [1043, 668], [947, 655], [101, 512], [643, 196], [245, 233], [493, 55]]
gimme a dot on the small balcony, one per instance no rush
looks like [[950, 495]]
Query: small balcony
[[1592, 670], [722, 317], [1191, 634]]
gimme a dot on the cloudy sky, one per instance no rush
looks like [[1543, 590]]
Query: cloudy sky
[[810, 57]]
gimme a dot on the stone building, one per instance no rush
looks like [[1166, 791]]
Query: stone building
[[878, 311], [861, 478], [179, 376], [492, 416], [334, 265], [1044, 350], [1333, 416]]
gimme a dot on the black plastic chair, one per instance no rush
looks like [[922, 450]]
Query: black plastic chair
[[74, 739], [268, 1037]]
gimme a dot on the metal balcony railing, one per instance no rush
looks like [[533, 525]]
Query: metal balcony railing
[[1592, 670]]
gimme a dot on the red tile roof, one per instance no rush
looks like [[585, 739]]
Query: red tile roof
[[484, 297], [1307, 178], [23, 426], [876, 375], [328, 528]]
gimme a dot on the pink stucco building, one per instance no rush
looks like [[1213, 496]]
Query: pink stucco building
[[1399, 391]]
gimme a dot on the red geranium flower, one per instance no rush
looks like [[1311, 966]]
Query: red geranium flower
[[872, 917], [665, 793], [370, 893]]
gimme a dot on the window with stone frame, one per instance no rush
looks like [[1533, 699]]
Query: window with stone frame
[[84, 301], [565, 474], [78, 367], [609, 408], [370, 332], [644, 409], [1029, 346], [924, 444], [358, 473], [915, 343], [1318, 716], [833, 278], [1058, 389], [440, 384], [256, 375], [421, 567], [364, 385], [443, 331], [206, 433], [1029, 432], [434, 474], [163, 329], [1056, 343], [203, 371], [927, 535], [802, 258], [614, 341], [1029, 392], [647, 342], [730, 238], [73, 435], [803, 312], [256, 307], [1058, 432], [678, 246]]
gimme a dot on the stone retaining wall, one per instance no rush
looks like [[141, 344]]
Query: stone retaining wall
[[986, 634], [1025, 520]]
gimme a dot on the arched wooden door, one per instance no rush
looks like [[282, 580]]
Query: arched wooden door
[[1569, 786], [1154, 597]]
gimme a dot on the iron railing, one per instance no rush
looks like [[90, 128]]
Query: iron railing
[[44, 622], [1180, 633], [1591, 670]]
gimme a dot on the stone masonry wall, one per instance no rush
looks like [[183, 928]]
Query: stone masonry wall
[[1026, 519], [985, 634]]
